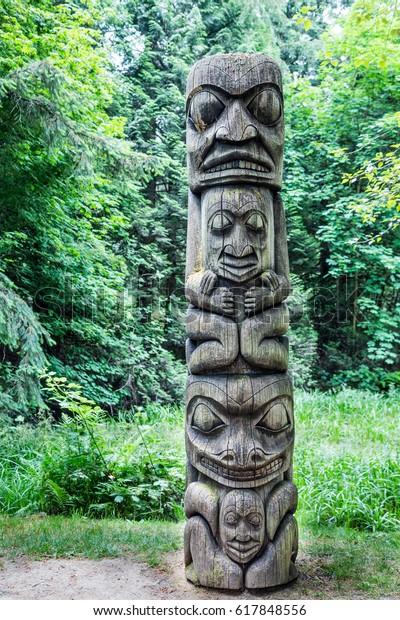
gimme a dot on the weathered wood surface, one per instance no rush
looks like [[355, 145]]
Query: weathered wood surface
[[240, 500]]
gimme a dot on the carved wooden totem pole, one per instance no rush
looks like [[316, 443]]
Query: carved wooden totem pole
[[240, 498]]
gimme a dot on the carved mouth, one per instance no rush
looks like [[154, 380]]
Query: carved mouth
[[238, 272], [243, 547], [242, 474], [226, 159], [240, 262], [238, 266], [243, 551], [238, 164]]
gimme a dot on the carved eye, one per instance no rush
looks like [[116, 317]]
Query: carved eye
[[266, 106], [276, 419], [220, 222], [255, 222], [255, 520], [205, 420], [204, 109], [231, 518]]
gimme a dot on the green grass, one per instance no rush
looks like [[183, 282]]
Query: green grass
[[347, 459], [76, 536], [340, 562], [347, 422]]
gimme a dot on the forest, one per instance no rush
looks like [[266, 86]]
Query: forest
[[93, 203], [94, 190]]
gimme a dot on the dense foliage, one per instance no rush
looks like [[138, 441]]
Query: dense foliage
[[93, 189], [92, 465]]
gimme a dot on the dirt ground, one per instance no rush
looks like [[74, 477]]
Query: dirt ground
[[124, 579]]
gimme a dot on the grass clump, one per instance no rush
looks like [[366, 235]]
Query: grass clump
[[346, 459], [340, 562], [355, 493]]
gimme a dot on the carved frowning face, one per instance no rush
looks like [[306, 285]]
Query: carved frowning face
[[240, 429], [242, 525], [238, 232], [235, 121]]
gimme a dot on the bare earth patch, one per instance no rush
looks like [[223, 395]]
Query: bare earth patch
[[124, 579]]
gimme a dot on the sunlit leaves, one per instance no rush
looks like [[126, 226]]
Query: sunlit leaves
[[303, 18], [369, 38]]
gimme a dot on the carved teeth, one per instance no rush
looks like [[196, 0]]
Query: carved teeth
[[242, 164], [239, 263], [243, 474]]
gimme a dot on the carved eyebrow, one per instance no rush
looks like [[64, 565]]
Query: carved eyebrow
[[253, 509], [230, 207], [265, 411], [267, 387], [226, 96], [217, 407], [257, 512], [226, 397], [262, 409], [230, 508]]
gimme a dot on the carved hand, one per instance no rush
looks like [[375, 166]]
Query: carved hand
[[208, 282], [222, 301], [274, 289], [270, 280], [255, 300]]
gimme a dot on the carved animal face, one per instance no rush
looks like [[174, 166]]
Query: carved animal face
[[238, 232], [242, 525], [240, 429], [235, 121]]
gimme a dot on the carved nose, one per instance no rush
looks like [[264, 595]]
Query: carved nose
[[255, 458], [235, 457], [228, 458], [238, 252], [237, 134], [237, 127], [242, 535]]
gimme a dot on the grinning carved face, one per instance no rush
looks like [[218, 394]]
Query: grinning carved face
[[242, 525], [240, 429], [235, 121], [238, 232]]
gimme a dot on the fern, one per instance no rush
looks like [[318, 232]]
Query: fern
[[22, 337]]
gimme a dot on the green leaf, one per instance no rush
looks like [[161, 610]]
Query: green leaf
[[307, 23]]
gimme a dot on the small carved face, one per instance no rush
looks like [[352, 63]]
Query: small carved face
[[242, 525], [240, 429], [235, 121], [238, 232]]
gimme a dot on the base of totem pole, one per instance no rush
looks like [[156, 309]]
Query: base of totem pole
[[215, 581]]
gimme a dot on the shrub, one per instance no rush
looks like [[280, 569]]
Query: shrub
[[90, 464]]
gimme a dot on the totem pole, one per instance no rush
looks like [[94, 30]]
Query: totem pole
[[240, 498]]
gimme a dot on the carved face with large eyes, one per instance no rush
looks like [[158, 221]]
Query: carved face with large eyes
[[240, 429], [238, 232], [242, 525], [235, 121]]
